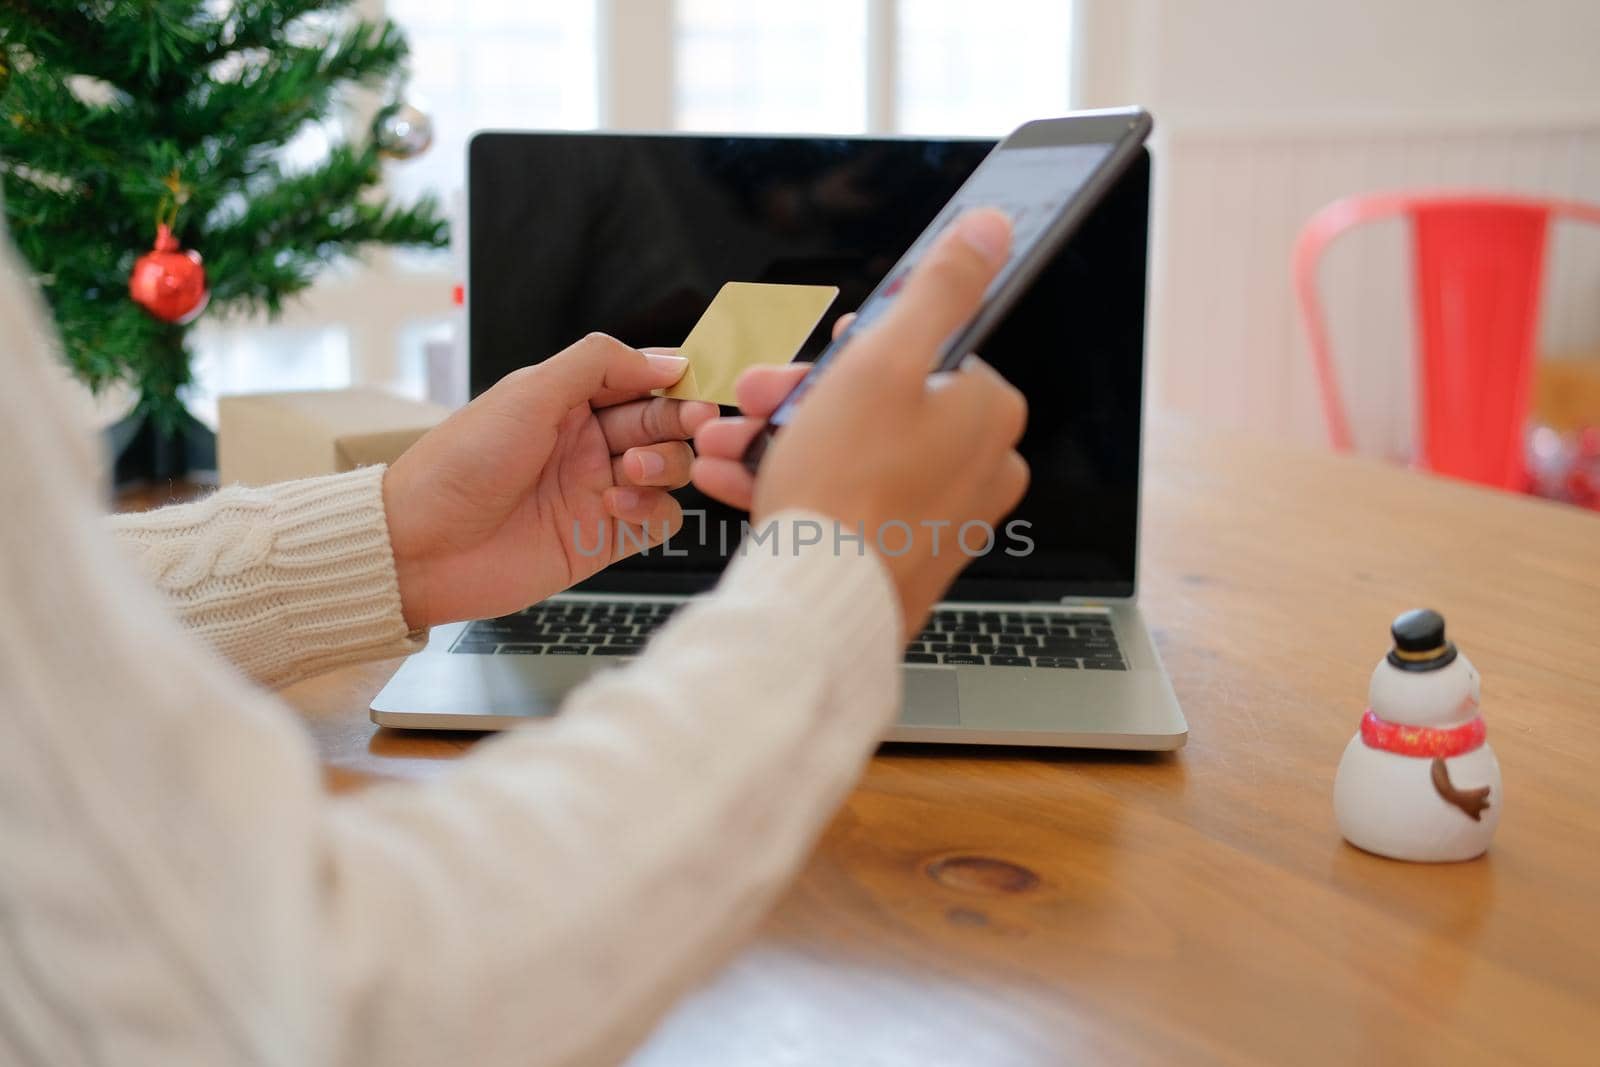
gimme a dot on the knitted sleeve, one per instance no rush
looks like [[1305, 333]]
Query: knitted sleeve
[[176, 887], [285, 581]]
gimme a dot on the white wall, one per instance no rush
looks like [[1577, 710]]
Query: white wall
[[1266, 110], [1379, 61]]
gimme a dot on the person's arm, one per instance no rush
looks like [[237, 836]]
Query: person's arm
[[182, 890], [284, 581], [480, 517], [617, 852], [178, 888]]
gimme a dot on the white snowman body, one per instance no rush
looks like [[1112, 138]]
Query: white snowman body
[[1388, 803]]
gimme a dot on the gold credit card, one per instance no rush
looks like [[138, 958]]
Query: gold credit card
[[748, 324]]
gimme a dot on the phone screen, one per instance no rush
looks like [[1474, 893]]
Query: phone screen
[[1030, 185]]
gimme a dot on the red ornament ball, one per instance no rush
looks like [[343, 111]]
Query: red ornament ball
[[169, 284]]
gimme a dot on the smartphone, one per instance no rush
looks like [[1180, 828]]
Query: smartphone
[[1046, 176]]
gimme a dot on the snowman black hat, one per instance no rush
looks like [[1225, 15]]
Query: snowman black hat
[[1419, 642]]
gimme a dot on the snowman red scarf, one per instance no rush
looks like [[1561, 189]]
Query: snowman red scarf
[[1422, 741], [1426, 742]]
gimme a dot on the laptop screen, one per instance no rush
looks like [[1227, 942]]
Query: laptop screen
[[632, 235]]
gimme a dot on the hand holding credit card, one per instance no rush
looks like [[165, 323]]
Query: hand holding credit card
[[748, 324]]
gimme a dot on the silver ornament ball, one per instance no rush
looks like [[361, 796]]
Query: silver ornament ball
[[403, 131]]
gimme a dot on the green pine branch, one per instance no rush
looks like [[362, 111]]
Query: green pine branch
[[263, 25], [308, 220], [47, 29], [268, 105]]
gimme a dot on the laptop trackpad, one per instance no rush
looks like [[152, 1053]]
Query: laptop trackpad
[[930, 698]]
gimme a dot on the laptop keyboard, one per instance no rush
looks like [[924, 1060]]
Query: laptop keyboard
[[567, 629], [1079, 641], [955, 637]]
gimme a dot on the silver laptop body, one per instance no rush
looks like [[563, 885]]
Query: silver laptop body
[[1068, 670], [1078, 707]]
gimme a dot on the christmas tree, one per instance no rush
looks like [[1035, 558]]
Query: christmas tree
[[120, 120]]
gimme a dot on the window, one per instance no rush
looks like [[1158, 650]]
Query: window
[[948, 66], [486, 63], [823, 66], [983, 69], [775, 67]]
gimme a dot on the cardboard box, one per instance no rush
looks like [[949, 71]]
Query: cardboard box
[[277, 437], [1566, 391]]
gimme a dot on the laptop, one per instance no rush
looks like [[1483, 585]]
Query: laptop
[[1041, 641]]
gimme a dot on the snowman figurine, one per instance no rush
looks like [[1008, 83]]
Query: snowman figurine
[[1419, 781]]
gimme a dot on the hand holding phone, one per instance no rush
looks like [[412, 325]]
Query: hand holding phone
[[1046, 177], [882, 448]]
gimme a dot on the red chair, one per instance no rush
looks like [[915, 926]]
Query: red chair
[[1479, 265]]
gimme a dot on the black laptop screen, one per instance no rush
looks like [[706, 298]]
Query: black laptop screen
[[632, 235]]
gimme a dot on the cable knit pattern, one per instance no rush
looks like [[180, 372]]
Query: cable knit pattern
[[286, 581]]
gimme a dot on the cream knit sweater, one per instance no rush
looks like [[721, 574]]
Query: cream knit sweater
[[176, 888], [285, 582]]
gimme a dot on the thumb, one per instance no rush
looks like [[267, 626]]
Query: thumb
[[941, 294], [598, 370]]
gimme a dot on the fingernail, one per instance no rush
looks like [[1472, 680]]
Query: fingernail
[[650, 463], [988, 231], [675, 365], [625, 499]]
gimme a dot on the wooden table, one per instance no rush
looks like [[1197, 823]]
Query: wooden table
[[1017, 907]]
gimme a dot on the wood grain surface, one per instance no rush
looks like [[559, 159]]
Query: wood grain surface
[[999, 907]]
